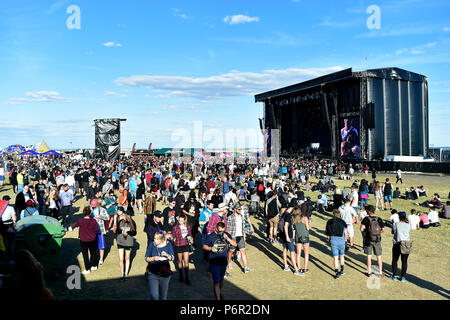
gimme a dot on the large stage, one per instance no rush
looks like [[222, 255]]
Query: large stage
[[368, 114]]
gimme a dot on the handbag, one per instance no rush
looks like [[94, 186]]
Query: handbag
[[162, 269], [406, 247]]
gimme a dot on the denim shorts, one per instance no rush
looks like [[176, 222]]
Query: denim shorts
[[289, 245], [338, 250], [388, 198]]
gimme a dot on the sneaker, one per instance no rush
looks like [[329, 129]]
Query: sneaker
[[230, 266], [86, 271], [299, 273], [403, 279], [93, 268], [65, 229], [337, 276], [100, 262], [342, 272], [247, 269], [392, 277], [227, 275], [239, 258], [287, 269], [70, 229]]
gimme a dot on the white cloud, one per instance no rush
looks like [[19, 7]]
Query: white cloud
[[111, 44], [112, 93], [231, 84], [239, 18], [446, 29], [417, 49], [39, 96]]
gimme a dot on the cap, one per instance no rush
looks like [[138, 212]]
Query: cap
[[402, 214], [157, 214], [222, 206], [237, 206], [6, 198], [30, 202]]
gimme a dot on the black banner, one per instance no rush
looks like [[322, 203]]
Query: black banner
[[107, 138]]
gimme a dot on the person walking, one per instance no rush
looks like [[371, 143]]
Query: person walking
[[158, 255], [236, 227], [399, 176], [372, 227], [336, 231], [378, 195], [217, 243], [66, 198], [349, 215], [182, 239], [125, 231], [101, 216], [88, 229], [363, 193], [111, 208], [302, 225], [402, 245]]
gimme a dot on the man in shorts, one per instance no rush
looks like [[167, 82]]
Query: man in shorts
[[217, 243], [336, 230], [349, 215], [272, 214], [236, 227], [371, 228]]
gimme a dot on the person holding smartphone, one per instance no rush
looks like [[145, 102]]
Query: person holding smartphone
[[218, 243]]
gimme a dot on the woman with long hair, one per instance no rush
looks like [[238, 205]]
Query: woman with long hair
[[302, 226], [182, 239], [379, 194], [363, 193], [53, 204], [88, 240], [140, 192], [401, 232], [125, 230]]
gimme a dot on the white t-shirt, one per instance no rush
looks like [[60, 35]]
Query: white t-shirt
[[347, 214], [394, 218], [354, 198], [362, 215], [413, 221], [433, 216], [2, 172], [8, 213], [239, 231]]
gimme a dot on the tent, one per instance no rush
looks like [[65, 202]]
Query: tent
[[43, 147], [15, 148], [50, 153], [28, 153]]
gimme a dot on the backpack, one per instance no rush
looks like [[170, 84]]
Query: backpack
[[280, 227], [374, 229], [260, 187]]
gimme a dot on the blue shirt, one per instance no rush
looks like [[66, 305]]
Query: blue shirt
[[152, 251], [204, 216], [226, 187], [251, 184], [66, 197]]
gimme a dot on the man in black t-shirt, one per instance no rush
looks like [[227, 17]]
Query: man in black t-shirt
[[191, 209], [371, 228], [387, 194], [170, 215], [41, 190]]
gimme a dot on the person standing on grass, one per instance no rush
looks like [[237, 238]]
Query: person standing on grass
[[349, 215], [273, 215], [217, 243], [399, 176], [159, 254], [372, 227], [101, 216], [236, 227], [66, 198], [111, 208], [182, 239], [379, 195], [88, 240], [363, 193], [336, 230], [302, 226], [125, 231], [401, 232], [387, 191], [287, 238]]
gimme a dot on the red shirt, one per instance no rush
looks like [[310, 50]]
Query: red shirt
[[88, 229], [424, 219]]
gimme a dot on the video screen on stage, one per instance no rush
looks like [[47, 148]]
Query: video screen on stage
[[349, 137]]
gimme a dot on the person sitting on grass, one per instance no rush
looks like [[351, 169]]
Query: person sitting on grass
[[433, 216], [445, 212], [424, 221], [414, 220]]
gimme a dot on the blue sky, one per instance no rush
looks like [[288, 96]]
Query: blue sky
[[165, 64]]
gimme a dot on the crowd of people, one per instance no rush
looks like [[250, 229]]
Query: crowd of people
[[208, 208]]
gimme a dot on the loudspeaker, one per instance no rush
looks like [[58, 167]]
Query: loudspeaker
[[370, 116]]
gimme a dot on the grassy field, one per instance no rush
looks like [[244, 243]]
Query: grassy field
[[427, 277]]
